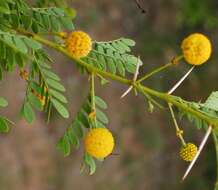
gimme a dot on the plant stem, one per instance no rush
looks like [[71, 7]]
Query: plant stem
[[215, 140], [171, 99], [92, 94], [155, 71], [92, 69], [176, 125]]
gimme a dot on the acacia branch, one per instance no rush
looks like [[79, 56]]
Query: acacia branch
[[136, 84]]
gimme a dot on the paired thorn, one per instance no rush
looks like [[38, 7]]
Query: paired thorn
[[134, 79], [209, 130], [203, 142]]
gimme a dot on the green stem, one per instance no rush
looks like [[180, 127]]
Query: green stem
[[216, 149], [176, 125], [149, 98], [92, 94], [183, 106], [92, 69], [155, 71]]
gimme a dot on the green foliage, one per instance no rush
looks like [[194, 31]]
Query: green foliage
[[74, 133], [209, 107], [43, 82], [50, 19], [70, 12], [113, 56], [17, 14], [15, 50], [82, 121]]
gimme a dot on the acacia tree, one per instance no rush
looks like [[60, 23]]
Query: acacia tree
[[25, 31]]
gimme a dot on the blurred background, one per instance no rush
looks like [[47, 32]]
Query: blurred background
[[147, 145]]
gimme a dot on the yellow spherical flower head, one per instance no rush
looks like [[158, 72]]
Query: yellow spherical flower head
[[188, 152], [99, 143], [78, 44], [196, 49]]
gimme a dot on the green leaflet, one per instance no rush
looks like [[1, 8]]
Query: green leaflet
[[60, 108], [32, 43], [20, 44], [58, 95], [101, 117], [27, 112], [3, 102], [64, 145], [90, 162], [212, 101], [55, 84], [100, 102], [4, 128], [34, 101], [51, 75]]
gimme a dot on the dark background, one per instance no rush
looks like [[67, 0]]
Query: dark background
[[147, 143]]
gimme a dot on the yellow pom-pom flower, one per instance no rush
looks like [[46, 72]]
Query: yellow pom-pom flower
[[99, 143], [78, 44], [196, 49], [188, 152]]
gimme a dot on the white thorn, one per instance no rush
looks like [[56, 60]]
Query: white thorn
[[180, 81], [136, 70], [134, 79], [126, 92], [203, 142]]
